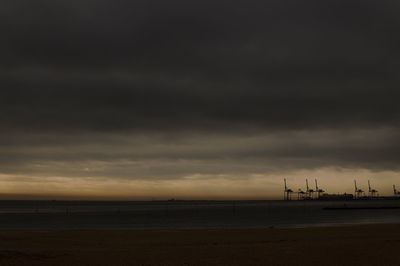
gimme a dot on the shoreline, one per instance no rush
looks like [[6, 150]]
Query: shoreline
[[376, 244]]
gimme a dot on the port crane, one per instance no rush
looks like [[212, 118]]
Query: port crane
[[288, 192], [372, 192], [310, 192], [300, 194], [395, 192], [358, 192], [317, 189]]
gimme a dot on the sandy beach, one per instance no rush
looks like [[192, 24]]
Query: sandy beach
[[349, 245]]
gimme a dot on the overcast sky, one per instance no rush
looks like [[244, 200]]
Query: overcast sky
[[196, 98]]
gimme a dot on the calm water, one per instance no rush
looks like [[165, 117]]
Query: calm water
[[189, 214]]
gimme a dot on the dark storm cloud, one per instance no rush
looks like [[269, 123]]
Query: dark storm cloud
[[235, 68], [106, 64], [155, 157]]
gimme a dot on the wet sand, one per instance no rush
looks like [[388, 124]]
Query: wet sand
[[352, 245]]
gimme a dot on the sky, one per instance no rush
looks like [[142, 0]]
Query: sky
[[197, 99]]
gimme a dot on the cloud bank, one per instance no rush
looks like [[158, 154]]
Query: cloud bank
[[167, 90]]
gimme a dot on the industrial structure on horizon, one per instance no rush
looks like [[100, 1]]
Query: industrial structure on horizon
[[320, 194]]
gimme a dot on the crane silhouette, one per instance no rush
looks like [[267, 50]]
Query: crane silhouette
[[300, 194], [317, 189], [395, 192], [371, 192], [358, 192], [287, 192], [310, 191]]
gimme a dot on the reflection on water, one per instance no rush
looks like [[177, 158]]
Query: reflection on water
[[190, 214]]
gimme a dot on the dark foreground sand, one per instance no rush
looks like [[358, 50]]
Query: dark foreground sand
[[354, 245]]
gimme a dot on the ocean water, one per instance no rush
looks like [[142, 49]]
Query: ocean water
[[191, 214]]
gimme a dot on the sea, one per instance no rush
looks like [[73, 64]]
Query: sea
[[176, 214]]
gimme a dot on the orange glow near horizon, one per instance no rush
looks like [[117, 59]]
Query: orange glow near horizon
[[251, 186]]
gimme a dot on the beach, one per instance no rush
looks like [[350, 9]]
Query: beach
[[341, 245]]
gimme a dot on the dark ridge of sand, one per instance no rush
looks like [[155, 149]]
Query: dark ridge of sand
[[351, 245]]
